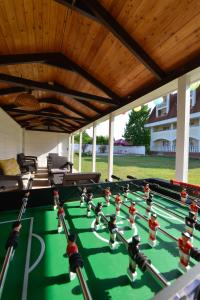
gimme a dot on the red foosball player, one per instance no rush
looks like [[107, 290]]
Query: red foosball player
[[13, 238], [55, 198], [98, 213], [184, 196], [153, 226], [194, 207], [185, 246], [118, 203], [149, 202], [61, 212], [146, 191], [75, 259], [132, 213], [107, 195]]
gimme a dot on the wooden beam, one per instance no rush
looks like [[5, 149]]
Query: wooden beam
[[46, 130], [65, 63], [11, 90], [65, 105], [79, 7], [31, 84], [58, 60], [55, 112], [57, 124], [44, 115], [117, 30], [92, 107]]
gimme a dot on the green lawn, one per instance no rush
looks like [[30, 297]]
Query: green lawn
[[140, 166]]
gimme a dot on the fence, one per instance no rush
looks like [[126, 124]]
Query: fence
[[101, 149]]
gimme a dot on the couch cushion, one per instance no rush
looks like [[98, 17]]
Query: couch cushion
[[9, 167]]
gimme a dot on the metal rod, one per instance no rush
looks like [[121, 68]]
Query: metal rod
[[10, 250], [144, 218], [164, 196], [150, 267], [83, 284], [84, 287], [161, 206]]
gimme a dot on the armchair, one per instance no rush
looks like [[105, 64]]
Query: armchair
[[10, 177], [27, 163]]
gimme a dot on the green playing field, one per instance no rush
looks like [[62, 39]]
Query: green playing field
[[39, 269]]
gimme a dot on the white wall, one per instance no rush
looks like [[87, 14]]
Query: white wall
[[10, 137], [40, 143]]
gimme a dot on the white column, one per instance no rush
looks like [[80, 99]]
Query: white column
[[171, 145], [182, 132], [80, 152], [23, 141], [110, 146], [69, 148], [94, 148], [72, 149]]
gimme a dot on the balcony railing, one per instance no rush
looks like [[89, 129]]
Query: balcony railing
[[192, 149]]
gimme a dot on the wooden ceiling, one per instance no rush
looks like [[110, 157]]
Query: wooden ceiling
[[85, 58]]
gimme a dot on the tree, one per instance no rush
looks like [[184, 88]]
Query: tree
[[86, 139], [135, 132], [102, 140]]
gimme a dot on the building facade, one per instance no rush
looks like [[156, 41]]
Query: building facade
[[163, 121]]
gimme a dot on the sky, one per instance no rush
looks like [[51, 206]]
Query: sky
[[119, 124]]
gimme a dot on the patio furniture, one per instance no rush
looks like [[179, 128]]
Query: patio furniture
[[54, 161], [10, 175], [27, 163], [75, 178]]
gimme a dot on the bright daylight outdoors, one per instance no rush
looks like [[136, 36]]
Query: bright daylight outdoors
[[136, 129]]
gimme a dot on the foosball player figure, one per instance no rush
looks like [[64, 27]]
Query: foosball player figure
[[194, 207], [61, 213], [153, 226], [146, 191], [149, 202], [112, 227], [136, 258], [118, 203], [190, 223], [126, 191], [184, 196], [75, 260], [132, 213], [55, 198], [98, 213], [185, 247], [107, 195], [88, 199], [83, 196], [13, 238]]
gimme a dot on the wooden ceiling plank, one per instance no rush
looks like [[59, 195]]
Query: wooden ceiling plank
[[117, 30], [59, 103], [27, 83], [80, 7], [43, 114], [57, 60], [65, 63]]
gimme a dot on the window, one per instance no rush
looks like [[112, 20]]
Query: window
[[162, 108]]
